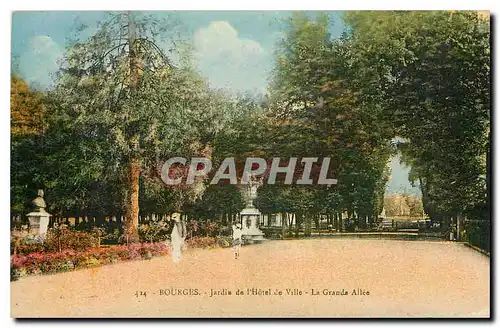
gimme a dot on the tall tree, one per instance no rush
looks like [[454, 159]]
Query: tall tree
[[318, 112], [27, 127], [429, 74], [121, 87]]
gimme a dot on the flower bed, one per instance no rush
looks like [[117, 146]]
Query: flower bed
[[67, 260], [40, 262], [56, 240]]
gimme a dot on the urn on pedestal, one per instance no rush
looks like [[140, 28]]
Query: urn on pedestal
[[250, 216]]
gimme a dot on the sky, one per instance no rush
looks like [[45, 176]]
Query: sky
[[233, 50]]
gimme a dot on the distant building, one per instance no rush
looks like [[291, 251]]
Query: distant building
[[403, 206]]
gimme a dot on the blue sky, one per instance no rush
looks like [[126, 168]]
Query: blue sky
[[234, 50]]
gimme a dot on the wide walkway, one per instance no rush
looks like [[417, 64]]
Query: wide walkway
[[403, 279]]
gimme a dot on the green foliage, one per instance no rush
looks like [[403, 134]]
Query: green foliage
[[317, 111], [154, 231], [217, 201], [27, 124], [423, 77], [478, 232], [429, 72], [116, 101]]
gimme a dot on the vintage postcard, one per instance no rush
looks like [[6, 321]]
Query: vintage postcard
[[250, 164]]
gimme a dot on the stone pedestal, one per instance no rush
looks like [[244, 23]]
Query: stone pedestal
[[39, 222], [250, 218]]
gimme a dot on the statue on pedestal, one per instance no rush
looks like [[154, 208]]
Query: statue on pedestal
[[39, 218], [250, 216]]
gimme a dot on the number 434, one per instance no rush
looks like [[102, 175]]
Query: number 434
[[140, 293]]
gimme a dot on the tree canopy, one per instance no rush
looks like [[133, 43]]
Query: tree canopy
[[411, 82]]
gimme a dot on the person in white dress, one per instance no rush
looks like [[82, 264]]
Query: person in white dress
[[177, 237], [237, 235]]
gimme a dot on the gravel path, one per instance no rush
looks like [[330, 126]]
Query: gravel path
[[403, 279]]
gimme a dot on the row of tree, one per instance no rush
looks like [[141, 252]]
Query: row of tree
[[121, 106], [429, 73]]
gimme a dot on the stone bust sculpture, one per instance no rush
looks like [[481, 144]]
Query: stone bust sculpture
[[39, 203]]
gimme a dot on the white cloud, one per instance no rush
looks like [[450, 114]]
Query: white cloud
[[228, 60], [41, 61], [225, 58]]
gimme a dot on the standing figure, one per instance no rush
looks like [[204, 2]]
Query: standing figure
[[237, 233], [177, 237]]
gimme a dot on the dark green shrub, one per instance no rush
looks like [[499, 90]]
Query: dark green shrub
[[477, 232]]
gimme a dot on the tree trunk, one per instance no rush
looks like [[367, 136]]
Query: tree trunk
[[307, 225], [88, 222], [298, 221], [132, 198], [119, 221], [99, 220], [283, 224], [132, 202], [335, 221], [488, 176]]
